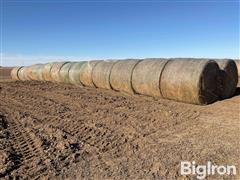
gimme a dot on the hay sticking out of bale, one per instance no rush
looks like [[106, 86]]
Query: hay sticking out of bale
[[64, 72], [23, 74], [229, 78], [55, 71], [86, 73], [146, 77], [121, 75], [14, 73], [191, 81], [47, 71], [101, 74], [74, 73]]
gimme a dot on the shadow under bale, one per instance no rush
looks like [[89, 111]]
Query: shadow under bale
[[237, 92]]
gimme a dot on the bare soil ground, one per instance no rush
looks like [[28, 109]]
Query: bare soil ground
[[59, 131], [5, 73]]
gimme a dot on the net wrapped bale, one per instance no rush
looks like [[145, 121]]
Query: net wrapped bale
[[121, 75], [35, 72], [64, 72], [146, 77], [191, 81], [74, 73], [14, 73], [28, 72], [23, 74], [55, 71], [86, 73], [47, 71], [101, 74], [38, 72], [229, 78]]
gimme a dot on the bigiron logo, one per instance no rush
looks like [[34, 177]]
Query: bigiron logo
[[202, 171]]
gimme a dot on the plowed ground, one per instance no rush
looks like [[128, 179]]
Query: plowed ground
[[5, 73], [57, 131]]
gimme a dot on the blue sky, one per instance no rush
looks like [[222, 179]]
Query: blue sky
[[41, 31]]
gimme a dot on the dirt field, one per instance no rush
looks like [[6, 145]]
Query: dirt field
[[5, 73], [62, 131]]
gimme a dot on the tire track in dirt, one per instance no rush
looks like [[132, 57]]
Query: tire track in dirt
[[133, 145], [9, 158], [29, 147], [97, 134], [24, 150], [100, 141], [92, 135]]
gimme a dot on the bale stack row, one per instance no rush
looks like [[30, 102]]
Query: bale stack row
[[196, 81]]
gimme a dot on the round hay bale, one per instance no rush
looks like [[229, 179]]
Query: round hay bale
[[35, 72], [47, 71], [238, 66], [39, 72], [23, 74], [55, 71], [190, 81], [101, 74], [121, 75], [86, 73], [64, 72], [229, 78], [146, 77], [28, 72], [14, 73], [74, 73]]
